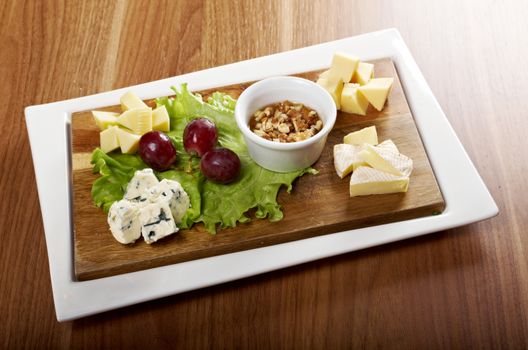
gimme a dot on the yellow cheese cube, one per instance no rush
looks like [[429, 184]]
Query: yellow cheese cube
[[334, 88], [324, 74], [387, 160], [160, 119], [131, 101], [352, 101], [366, 181], [108, 139], [128, 141], [343, 67], [347, 159], [376, 91], [104, 119], [364, 72], [365, 135], [139, 120]]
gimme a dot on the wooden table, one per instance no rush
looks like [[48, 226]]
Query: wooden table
[[466, 287]]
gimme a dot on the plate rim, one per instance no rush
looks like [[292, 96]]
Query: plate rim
[[74, 299]]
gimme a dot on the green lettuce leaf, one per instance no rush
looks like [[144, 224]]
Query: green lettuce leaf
[[212, 204]]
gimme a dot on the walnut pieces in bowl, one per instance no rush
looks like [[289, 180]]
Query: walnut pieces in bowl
[[271, 150], [285, 121]]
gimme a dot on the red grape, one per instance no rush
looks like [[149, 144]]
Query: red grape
[[220, 165], [157, 150], [200, 136]]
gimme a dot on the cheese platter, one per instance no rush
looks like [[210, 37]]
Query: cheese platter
[[98, 254]]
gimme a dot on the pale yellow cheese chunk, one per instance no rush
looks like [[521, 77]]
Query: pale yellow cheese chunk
[[139, 120], [131, 101], [104, 119], [365, 135], [366, 181], [160, 119], [128, 141], [343, 67], [347, 159], [387, 160], [334, 88], [376, 91], [352, 101], [324, 74], [108, 139], [363, 73]]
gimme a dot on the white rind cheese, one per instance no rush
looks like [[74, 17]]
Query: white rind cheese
[[366, 181], [142, 180], [123, 219], [387, 160], [347, 159], [156, 221], [388, 144]]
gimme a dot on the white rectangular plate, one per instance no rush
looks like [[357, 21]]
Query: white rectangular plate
[[466, 196]]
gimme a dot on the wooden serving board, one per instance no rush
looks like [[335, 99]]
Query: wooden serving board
[[319, 204]]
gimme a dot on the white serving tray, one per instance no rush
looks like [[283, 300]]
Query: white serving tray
[[466, 196]]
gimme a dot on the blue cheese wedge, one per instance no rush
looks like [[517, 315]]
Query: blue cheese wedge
[[366, 181], [156, 221], [171, 192], [142, 180], [123, 219]]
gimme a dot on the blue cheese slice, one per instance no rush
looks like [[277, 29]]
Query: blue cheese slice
[[172, 192], [142, 180], [123, 219], [156, 221]]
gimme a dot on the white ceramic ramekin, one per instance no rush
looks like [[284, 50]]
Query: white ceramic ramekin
[[285, 157]]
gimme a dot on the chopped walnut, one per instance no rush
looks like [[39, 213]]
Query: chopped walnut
[[286, 122]]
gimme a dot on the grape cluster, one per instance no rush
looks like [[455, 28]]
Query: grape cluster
[[200, 137]]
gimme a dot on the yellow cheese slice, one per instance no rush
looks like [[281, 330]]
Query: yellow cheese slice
[[139, 120], [160, 119], [352, 101], [108, 139], [365, 135], [363, 74], [376, 91], [366, 181], [334, 88], [347, 159], [128, 141], [387, 160], [131, 101], [343, 67], [104, 119]]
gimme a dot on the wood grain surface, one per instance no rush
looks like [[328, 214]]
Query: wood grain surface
[[97, 254], [462, 288]]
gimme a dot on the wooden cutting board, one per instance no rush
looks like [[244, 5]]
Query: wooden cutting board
[[318, 205]]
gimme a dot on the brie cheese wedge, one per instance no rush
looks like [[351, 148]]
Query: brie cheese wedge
[[366, 181], [387, 160]]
